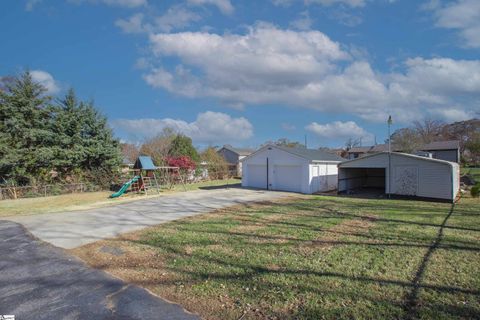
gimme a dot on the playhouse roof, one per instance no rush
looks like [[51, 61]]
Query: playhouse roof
[[145, 163]]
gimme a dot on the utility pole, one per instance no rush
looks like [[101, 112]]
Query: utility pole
[[306, 142], [389, 122]]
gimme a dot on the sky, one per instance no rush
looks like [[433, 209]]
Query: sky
[[246, 72]]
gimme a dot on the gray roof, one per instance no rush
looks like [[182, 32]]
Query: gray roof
[[437, 145], [360, 149], [442, 145], [239, 151], [312, 154], [372, 155]]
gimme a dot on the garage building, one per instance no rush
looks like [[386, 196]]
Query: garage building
[[291, 169], [401, 174]]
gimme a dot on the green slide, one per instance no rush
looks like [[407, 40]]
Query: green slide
[[124, 187]]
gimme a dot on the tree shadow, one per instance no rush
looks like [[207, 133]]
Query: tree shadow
[[412, 305], [222, 186]]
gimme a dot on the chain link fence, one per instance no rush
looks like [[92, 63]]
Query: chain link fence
[[16, 192]]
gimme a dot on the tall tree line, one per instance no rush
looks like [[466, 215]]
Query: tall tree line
[[412, 138], [45, 140]]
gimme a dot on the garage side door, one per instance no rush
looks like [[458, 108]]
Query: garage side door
[[257, 176], [288, 178]]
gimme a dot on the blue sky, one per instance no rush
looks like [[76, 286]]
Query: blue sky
[[244, 72]]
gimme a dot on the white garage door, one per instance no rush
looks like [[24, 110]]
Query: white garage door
[[257, 176], [288, 178]]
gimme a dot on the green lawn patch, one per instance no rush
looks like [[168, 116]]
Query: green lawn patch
[[472, 172], [89, 200], [317, 257]]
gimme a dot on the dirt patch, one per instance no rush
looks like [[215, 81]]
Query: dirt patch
[[338, 234]]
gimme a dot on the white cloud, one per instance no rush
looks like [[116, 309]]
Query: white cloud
[[306, 69], [304, 22], [453, 114], [225, 6], [115, 3], [338, 130], [134, 24], [46, 79], [126, 3], [282, 3], [30, 4], [351, 3], [461, 15], [176, 17], [209, 127]]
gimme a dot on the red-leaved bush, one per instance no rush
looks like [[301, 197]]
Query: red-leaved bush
[[183, 162]]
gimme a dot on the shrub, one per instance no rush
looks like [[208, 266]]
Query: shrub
[[182, 162], [475, 191]]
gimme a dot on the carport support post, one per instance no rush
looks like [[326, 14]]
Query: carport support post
[[267, 175]]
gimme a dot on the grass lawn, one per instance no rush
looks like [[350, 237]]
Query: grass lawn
[[315, 257], [87, 200]]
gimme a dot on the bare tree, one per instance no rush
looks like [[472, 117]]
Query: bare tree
[[429, 130], [159, 146], [351, 143], [130, 152], [406, 140], [284, 142]]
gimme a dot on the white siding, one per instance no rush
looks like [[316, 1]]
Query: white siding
[[288, 172], [323, 177], [287, 178], [276, 157], [410, 175]]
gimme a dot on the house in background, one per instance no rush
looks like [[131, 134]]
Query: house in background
[[291, 169], [442, 150], [233, 156]]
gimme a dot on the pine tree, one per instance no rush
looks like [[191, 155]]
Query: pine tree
[[25, 135], [85, 142], [36, 137]]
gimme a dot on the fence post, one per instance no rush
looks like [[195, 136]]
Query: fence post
[[44, 191]]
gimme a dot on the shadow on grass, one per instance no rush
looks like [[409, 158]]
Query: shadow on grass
[[251, 270], [412, 306], [222, 186]]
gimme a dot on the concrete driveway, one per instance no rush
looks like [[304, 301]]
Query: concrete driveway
[[40, 281], [73, 229]]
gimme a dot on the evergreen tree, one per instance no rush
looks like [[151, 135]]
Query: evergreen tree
[[182, 146], [25, 135], [85, 143], [69, 150], [71, 137]]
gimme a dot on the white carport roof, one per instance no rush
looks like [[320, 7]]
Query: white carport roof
[[347, 162]]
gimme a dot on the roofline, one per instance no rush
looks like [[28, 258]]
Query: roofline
[[288, 151], [232, 149], [229, 149], [268, 146], [451, 149], [326, 161], [451, 164]]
